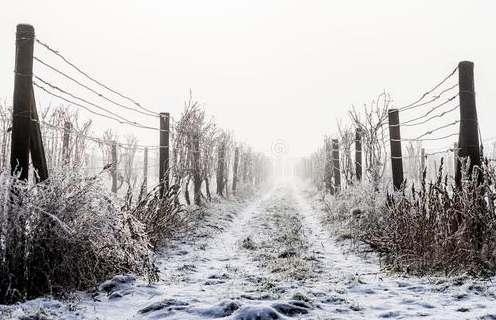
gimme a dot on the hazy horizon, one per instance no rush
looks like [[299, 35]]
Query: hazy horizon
[[269, 71]]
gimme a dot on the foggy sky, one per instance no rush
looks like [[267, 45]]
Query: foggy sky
[[268, 70]]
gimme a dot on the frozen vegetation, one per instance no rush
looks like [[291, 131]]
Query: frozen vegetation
[[272, 256]]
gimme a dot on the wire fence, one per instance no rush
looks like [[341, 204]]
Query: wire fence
[[433, 115], [79, 70], [84, 148], [417, 137], [68, 141]]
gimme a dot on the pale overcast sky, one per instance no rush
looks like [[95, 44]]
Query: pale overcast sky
[[269, 70]]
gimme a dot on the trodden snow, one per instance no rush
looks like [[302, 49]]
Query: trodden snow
[[270, 258]]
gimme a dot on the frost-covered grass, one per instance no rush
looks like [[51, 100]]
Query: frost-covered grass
[[208, 274], [64, 234], [161, 214], [355, 210], [433, 228], [279, 243]]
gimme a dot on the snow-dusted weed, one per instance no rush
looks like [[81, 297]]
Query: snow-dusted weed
[[431, 228], [65, 233]]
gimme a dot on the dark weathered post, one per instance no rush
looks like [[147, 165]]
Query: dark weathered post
[[235, 170], [144, 186], [164, 152], [114, 166], [197, 178], [358, 154], [328, 167], [468, 137], [65, 143], [36, 145], [395, 142], [15, 244], [335, 165], [21, 117], [220, 168]]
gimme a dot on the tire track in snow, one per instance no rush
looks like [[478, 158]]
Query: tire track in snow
[[221, 265], [337, 286], [199, 276]]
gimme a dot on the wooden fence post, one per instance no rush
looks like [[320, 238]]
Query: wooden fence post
[[468, 137], [36, 144], [395, 142], [220, 168], [21, 113], [197, 179], [144, 186], [235, 170], [358, 154], [328, 168], [164, 152], [66, 154], [335, 164], [114, 166]]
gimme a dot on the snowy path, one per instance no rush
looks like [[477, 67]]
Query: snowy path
[[358, 289], [274, 260]]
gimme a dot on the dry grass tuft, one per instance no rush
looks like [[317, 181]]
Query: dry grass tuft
[[64, 234], [431, 229], [162, 216]]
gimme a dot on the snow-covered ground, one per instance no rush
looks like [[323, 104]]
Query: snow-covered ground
[[270, 258]]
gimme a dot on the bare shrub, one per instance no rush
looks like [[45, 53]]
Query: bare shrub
[[189, 133], [413, 161], [64, 234], [346, 143], [128, 157], [225, 145], [316, 167], [162, 216], [373, 129], [53, 120]]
